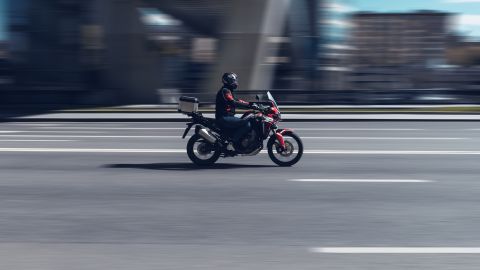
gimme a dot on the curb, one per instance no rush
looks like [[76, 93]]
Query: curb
[[287, 118]]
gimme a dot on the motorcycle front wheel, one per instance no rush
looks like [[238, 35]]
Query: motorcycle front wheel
[[290, 155], [201, 152]]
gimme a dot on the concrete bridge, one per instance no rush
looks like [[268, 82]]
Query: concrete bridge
[[246, 32], [241, 26]]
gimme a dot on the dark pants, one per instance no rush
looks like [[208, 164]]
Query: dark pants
[[235, 126]]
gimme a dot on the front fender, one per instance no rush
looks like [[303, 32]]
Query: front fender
[[284, 131]]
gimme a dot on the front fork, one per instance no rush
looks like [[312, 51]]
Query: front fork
[[279, 135], [281, 140]]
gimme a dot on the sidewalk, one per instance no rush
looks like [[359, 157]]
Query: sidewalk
[[168, 113], [176, 117]]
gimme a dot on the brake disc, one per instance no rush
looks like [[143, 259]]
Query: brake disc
[[287, 151], [204, 149]]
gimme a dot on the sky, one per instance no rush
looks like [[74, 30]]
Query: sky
[[467, 21]]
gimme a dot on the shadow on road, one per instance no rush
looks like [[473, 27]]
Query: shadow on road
[[185, 166]]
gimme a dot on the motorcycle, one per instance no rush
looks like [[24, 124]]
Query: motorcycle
[[210, 142]]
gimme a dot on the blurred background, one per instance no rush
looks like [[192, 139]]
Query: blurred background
[[73, 53]]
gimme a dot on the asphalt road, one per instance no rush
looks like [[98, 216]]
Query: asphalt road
[[125, 196]]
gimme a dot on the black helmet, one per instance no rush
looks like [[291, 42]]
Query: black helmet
[[230, 80]]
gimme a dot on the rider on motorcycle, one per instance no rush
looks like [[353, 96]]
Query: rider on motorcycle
[[226, 103]]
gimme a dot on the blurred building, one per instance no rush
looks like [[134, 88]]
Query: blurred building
[[463, 65], [464, 53], [127, 51], [45, 44], [293, 52], [382, 39], [5, 67], [53, 49], [395, 50], [4, 52], [333, 26]]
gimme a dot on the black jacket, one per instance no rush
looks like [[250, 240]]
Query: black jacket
[[226, 103]]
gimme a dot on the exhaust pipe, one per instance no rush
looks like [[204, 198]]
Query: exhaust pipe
[[203, 132]]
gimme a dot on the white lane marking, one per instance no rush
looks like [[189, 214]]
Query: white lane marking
[[54, 131], [397, 250], [35, 125], [91, 150], [390, 152], [123, 128], [8, 131], [91, 136], [179, 136], [376, 117], [37, 141], [326, 152], [363, 180], [383, 138], [65, 131], [100, 124], [303, 129], [57, 126], [358, 129]]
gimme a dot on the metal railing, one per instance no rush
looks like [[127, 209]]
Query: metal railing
[[345, 97]]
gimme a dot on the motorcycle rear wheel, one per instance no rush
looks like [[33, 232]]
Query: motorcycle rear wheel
[[201, 152]]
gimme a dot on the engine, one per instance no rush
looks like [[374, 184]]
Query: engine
[[251, 144]]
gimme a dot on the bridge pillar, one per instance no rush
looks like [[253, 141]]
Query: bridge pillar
[[244, 42], [133, 71]]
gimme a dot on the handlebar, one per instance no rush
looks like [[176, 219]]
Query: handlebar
[[261, 107], [264, 109]]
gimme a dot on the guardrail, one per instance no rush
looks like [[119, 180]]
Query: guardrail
[[343, 97]]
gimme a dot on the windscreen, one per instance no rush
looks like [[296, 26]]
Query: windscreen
[[270, 97]]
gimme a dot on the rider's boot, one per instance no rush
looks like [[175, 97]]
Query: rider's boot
[[230, 147]]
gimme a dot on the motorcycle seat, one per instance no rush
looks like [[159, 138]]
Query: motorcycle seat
[[212, 123]]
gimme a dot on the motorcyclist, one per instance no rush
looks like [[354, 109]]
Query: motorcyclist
[[226, 103]]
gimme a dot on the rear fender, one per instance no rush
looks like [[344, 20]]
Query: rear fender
[[189, 126]]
